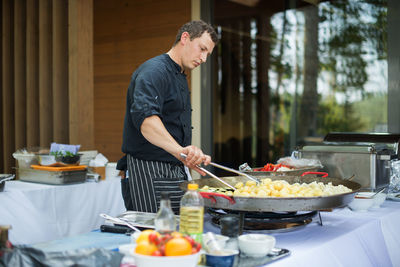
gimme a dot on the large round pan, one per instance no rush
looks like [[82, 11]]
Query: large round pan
[[277, 204]]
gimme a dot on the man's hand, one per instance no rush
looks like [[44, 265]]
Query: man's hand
[[155, 132], [194, 157]]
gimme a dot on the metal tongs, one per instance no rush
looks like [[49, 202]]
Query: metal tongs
[[119, 221], [226, 169]]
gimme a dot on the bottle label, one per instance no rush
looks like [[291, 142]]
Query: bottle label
[[191, 222]]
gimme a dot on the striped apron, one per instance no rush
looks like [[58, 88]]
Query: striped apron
[[147, 179]]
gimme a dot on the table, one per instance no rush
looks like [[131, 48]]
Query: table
[[346, 238], [41, 212]]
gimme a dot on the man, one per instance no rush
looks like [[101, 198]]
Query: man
[[157, 126]]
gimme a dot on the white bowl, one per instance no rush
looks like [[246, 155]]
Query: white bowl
[[256, 245], [362, 202], [164, 261], [221, 240], [378, 199]]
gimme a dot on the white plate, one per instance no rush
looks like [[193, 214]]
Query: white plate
[[393, 196]]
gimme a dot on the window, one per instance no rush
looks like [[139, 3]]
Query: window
[[285, 76]]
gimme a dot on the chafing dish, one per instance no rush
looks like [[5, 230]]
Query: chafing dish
[[368, 156]]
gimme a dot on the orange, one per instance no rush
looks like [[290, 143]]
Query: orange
[[144, 235], [178, 246], [145, 248]]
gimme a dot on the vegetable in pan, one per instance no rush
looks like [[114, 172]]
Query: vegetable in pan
[[269, 167]]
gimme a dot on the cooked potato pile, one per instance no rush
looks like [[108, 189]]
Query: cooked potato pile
[[281, 188]]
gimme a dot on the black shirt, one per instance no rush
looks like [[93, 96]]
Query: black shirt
[[157, 87]]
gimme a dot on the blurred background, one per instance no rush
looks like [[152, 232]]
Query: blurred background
[[284, 74]]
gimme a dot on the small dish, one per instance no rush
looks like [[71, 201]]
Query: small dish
[[47, 159], [256, 245], [224, 258], [362, 202], [378, 200], [220, 239]]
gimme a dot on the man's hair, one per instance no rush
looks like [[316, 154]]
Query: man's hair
[[196, 29]]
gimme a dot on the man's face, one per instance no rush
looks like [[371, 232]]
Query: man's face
[[196, 51]]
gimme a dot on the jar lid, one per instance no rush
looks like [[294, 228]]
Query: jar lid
[[193, 186]]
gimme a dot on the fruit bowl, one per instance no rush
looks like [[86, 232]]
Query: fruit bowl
[[166, 261]]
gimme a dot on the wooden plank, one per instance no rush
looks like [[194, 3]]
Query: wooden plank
[[80, 49], [1, 91], [127, 33], [20, 73], [32, 74], [263, 93], [45, 73], [8, 129], [60, 72]]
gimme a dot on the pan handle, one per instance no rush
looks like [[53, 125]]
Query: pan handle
[[212, 195], [324, 174]]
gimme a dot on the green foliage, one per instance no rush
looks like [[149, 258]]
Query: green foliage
[[332, 117], [373, 110], [63, 154]]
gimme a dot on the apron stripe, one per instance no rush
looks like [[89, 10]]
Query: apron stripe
[[147, 179]]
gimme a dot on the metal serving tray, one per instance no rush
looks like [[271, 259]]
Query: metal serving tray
[[141, 219], [52, 177], [275, 254]]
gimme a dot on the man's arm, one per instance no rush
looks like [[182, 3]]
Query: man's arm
[[155, 132]]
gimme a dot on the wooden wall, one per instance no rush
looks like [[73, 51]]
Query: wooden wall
[[66, 65], [127, 33], [46, 75]]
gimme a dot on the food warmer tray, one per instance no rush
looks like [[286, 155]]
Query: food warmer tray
[[57, 177]]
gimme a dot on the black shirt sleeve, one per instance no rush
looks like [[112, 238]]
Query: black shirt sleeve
[[148, 97]]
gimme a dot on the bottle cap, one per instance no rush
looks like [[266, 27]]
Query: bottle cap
[[193, 186], [164, 195], [229, 225]]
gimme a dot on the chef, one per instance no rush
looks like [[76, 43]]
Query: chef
[[157, 125]]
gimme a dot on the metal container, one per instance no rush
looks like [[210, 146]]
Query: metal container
[[52, 177], [277, 204], [3, 179], [366, 156]]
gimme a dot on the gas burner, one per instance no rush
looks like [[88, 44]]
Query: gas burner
[[268, 222]]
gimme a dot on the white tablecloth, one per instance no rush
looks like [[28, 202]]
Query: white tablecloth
[[40, 213], [346, 238]]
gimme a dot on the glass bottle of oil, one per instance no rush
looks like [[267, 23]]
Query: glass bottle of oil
[[192, 213], [165, 218]]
